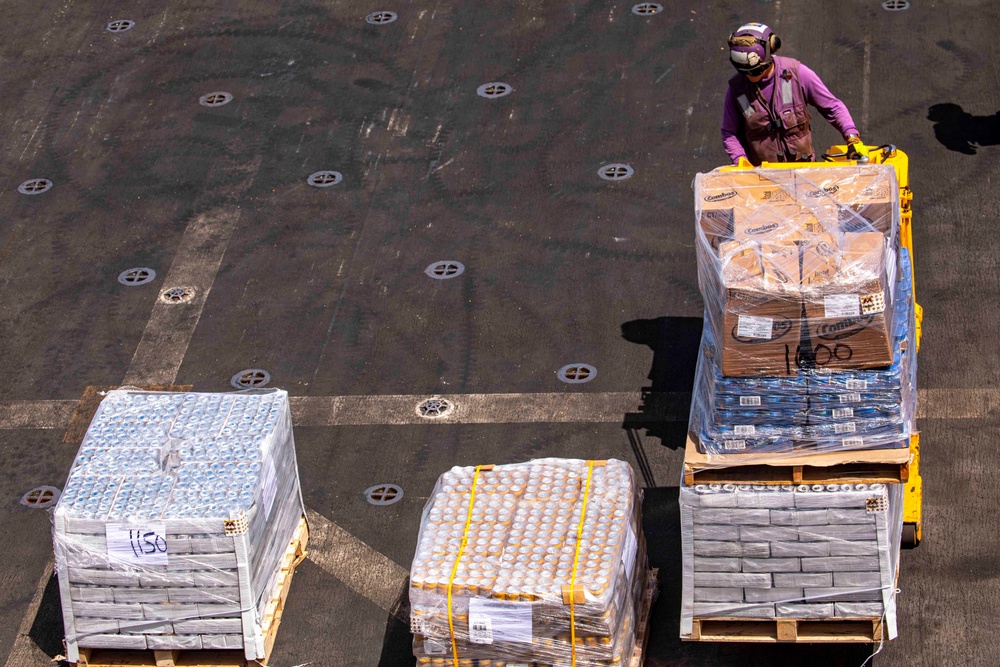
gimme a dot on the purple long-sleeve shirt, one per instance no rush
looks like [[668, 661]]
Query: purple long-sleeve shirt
[[816, 93]]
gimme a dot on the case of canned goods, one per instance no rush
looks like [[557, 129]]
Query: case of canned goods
[[515, 562], [172, 528], [793, 552]]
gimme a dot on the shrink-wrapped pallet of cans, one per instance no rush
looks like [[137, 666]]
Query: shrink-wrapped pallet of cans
[[539, 562], [173, 526], [821, 551]]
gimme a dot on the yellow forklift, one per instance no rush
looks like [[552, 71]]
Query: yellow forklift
[[841, 155]]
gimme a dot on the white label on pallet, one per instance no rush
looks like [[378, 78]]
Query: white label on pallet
[[744, 429], [480, 629], [849, 427], [854, 442], [498, 620], [853, 397], [840, 413], [137, 544], [434, 647], [748, 326], [734, 444], [842, 305], [628, 552], [749, 401], [857, 384]]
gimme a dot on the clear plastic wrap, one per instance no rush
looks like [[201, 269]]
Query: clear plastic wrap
[[790, 552], [817, 409], [173, 524], [797, 267], [509, 560]]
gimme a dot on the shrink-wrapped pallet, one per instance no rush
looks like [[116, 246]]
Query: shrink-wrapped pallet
[[173, 525], [790, 552], [817, 410], [515, 561], [798, 267]]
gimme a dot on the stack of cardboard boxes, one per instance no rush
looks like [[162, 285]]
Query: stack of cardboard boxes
[[791, 265], [808, 349]]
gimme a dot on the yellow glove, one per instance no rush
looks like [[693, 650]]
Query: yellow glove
[[856, 149], [744, 163]]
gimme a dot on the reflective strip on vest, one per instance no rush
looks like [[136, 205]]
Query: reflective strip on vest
[[745, 105], [786, 91]]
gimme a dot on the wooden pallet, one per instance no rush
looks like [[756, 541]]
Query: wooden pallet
[[887, 466], [294, 554], [773, 631], [642, 626]]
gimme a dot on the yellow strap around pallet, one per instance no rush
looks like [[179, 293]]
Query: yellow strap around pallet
[[576, 563], [458, 559]]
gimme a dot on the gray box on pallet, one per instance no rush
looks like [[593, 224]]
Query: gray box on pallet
[[833, 555]]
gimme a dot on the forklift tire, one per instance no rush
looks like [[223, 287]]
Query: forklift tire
[[910, 539]]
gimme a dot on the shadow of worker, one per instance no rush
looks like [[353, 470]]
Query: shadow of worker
[[667, 401], [961, 131]]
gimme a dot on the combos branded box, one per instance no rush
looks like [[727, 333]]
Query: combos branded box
[[728, 199], [859, 198], [762, 308], [847, 301]]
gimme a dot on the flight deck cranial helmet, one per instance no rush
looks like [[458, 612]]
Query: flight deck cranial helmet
[[751, 48]]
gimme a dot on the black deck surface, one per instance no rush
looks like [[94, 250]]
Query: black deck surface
[[325, 287]]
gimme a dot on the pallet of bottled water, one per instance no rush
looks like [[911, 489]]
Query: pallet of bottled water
[[174, 522]]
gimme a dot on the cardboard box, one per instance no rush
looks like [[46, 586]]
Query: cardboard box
[[762, 309], [730, 190], [762, 342], [798, 267], [779, 224], [717, 226], [724, 196], [768, 268], [860, 199], [821, 260], [847, 303]]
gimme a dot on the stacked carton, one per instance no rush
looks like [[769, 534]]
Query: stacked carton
[[174, 522], [808, 349], [515, 561], [805, 552]]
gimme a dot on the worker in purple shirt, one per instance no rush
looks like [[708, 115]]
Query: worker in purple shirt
[[765, 118]]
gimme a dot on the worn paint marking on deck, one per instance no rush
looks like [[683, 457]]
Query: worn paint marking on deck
[[360, 567], [25, 652], [170, 327], [36, 414], [400, 409]]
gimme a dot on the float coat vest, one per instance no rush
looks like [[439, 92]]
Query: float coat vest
[[777, 129]]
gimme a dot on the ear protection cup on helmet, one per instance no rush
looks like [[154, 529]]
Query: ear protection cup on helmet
[[775, 43]]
